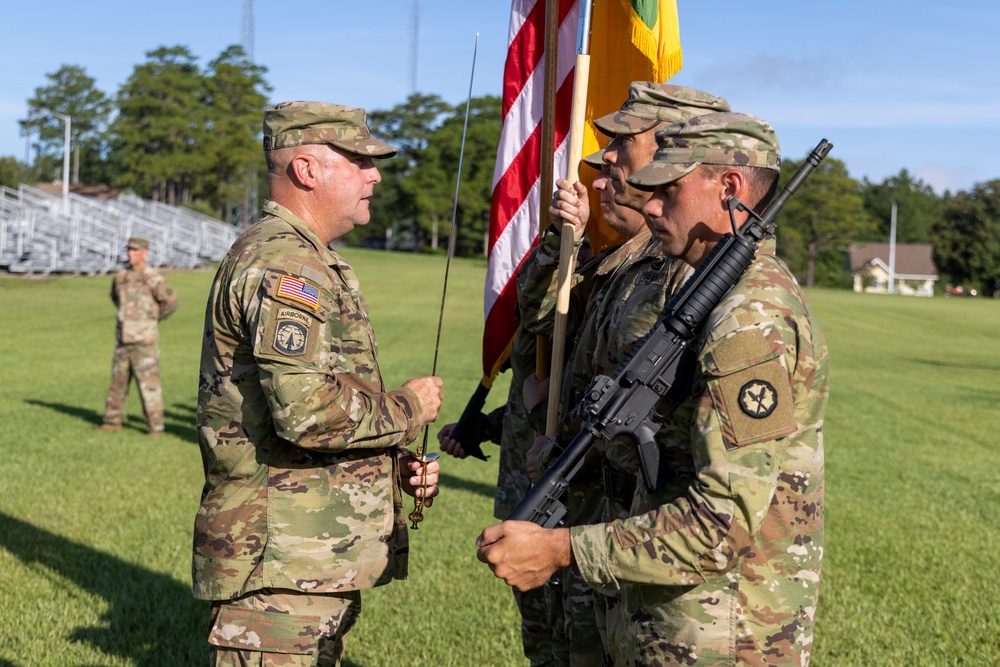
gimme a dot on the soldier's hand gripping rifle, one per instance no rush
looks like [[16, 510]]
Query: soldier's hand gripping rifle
[[656, 378]]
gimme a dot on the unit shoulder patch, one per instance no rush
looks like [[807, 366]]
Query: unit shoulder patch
[[290, 338], [758, 398], [290, 332]]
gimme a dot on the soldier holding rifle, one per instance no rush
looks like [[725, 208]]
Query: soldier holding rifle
[[721, 563]]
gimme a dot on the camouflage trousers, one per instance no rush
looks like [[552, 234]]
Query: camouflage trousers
[[607, 612], [141, 361], [536, 636], [651, 629], [272, 628], [576, 641]]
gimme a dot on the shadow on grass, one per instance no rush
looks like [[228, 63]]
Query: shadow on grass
[[952, 364], [452, 482], [151, 618], [179, 419], [87, 415]]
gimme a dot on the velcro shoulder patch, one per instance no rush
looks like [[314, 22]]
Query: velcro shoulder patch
[[290, 326], [287, 333], [750, 389]]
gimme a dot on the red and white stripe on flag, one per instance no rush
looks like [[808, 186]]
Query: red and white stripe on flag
[[515, 207]]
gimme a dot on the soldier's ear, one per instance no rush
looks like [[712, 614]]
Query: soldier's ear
[[734, 184], [303, 169]]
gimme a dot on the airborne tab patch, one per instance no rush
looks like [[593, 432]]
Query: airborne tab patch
[[298, 290], [290, 332]]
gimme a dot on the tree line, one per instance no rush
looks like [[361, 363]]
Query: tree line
[[190, 135], [174, 132]]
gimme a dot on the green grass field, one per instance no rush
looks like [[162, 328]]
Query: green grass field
[[95, 528]]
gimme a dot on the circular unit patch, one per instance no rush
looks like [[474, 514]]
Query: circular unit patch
[[290, 337], [758, 398]]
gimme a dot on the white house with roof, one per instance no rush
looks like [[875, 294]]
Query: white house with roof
[[913, 268]]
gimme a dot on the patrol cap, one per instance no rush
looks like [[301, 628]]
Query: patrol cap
[[298, 123], [595, 159], [651, 103], [736, 139], [137, 243]]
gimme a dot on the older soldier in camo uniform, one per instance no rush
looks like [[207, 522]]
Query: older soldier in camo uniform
[[722, 566], [301, 441], [603, 286], [143, 298]]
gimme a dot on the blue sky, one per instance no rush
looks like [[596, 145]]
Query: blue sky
[[892, 84]]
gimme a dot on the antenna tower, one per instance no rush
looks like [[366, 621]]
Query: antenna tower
[[414, 33], [247, 29]]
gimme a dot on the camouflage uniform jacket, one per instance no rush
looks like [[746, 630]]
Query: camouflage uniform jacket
[[537, 287], [298, 435], [729, 561], [143, 298], [516, 434], [635, 301]]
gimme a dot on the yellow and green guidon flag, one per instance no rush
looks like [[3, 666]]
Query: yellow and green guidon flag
[[630, 40], [655, 32]]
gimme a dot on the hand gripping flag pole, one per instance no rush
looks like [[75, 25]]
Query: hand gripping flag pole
[[416, 516], [567, 259]]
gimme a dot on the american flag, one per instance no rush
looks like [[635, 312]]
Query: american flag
[[297, 290], [514, 211], [631, 41]]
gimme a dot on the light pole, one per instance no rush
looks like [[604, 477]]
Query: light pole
[[68, 120]]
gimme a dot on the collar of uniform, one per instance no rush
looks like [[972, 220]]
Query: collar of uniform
[[623, 253], [767, 246], [302, 227], [652, 248], [329, 255], [140, 272]]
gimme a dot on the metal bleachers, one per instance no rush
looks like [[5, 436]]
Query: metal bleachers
[[45, 233]]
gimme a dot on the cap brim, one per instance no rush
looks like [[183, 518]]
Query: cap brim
[[623, 123], [368, 147], [660, 173], [595, 159]]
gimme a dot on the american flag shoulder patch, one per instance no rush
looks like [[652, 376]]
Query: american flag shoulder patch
[[299, 290]]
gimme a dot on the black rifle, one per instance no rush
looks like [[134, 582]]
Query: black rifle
[[649, 385]]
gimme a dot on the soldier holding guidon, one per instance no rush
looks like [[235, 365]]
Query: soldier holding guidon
[[634, 278], [721, 564]]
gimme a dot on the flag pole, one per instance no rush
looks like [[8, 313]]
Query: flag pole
[[551, 50], [567, 258]]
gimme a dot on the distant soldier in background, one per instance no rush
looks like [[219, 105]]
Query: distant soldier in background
[[143, 298]]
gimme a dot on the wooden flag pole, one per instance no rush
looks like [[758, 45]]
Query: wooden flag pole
[[548, 148], [567, 258]]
